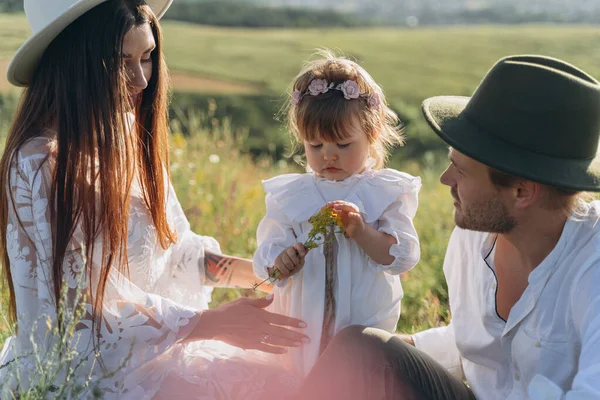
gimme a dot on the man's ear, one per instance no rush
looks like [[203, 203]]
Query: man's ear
[[526, 193]]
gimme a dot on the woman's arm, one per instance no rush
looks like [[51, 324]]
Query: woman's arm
[[135, 323], [230, 272], [196, 263]]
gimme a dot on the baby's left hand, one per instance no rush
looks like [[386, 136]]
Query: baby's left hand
[[353, 222]]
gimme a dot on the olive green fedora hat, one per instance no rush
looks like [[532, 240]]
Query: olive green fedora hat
[[531, 116]]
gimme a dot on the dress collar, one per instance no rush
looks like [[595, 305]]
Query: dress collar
[[368, 171]]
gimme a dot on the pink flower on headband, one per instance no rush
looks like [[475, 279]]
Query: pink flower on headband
[[350, 90], [296, 97], [318, 86], [374, 101]]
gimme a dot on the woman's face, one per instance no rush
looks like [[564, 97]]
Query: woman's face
[[138, 45]]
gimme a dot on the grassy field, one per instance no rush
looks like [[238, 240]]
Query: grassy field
[[411, 64]]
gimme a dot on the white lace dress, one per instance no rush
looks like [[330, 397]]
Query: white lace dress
[[366, 293], [146, 313]]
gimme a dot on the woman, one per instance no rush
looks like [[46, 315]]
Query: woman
[[94, 242]]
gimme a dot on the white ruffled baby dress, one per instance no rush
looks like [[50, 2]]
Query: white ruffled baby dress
[[366, 293]]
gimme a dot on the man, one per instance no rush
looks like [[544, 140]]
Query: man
[[523, 264]]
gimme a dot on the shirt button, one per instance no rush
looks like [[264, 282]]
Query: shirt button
[[517, 376], [538, 344]]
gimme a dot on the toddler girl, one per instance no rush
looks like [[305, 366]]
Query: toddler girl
[[340, 116]]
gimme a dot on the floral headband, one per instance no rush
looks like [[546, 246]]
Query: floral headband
[[349, 88]]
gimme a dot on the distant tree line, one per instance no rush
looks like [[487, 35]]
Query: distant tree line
[[244, 13], [229, 13], [247, 13], [493, 15], [11, 5]]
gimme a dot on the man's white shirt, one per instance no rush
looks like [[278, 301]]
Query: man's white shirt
[[549, 347]]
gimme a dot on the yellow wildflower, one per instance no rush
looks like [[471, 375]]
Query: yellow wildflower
[[322, 230]]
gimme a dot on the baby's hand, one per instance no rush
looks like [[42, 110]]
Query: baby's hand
[[352, 220], [290, 261]]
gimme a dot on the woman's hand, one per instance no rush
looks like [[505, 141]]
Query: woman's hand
[[290, 261], [352, 220], [243, 323]]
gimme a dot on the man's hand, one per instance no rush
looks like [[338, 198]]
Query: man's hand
[[406, 338]]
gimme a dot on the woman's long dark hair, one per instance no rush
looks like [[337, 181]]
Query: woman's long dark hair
[[80, 91]]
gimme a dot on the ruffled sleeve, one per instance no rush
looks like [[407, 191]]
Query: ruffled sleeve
[[390, 198], [136, 326], [184, 279], [287, 201]]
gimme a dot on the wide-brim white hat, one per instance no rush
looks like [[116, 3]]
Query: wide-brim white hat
[[47, 19]]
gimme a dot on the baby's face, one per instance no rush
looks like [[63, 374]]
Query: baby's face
[[337, 161]]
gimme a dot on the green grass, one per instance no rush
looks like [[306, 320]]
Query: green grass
[[411, 64], [13, 31]]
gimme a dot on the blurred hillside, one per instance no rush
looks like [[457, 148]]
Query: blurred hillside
[[243, 74], [351, 13], [445, 12]]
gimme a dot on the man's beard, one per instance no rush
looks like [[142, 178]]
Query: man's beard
[[484, 216]]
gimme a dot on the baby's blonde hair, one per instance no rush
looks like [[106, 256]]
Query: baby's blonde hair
[[329, 116]]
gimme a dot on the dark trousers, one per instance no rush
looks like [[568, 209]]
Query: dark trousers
[[370, 364]]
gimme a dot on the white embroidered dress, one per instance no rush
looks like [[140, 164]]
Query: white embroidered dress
[[366, 293], [146, 314]]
